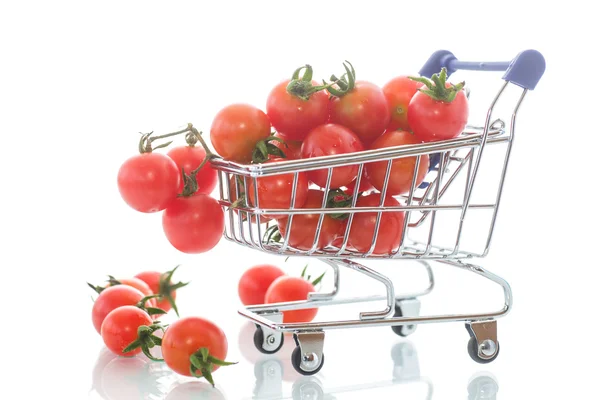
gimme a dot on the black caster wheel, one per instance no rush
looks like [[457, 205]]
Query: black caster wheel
[[402, 330], [259, 341], [297, 361], [474, 353]]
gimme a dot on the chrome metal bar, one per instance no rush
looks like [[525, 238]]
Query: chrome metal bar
[[409, 201], [321, 215], [503, 175], [290, 220], [381, 205], [436, 198], [336, 283], [352, 207]]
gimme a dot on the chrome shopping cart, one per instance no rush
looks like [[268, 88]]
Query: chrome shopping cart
[[446, 192]]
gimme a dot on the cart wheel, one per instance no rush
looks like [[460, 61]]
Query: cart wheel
[[297, 362], [474, 351], [402, 330], [269, 346]]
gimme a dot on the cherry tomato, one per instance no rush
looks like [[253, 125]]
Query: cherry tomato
[[294, 117], [137, 284], [148, 182], [255, 281], [364, 110], [304, 226], [119, 329], [160, 283], [187, 336], [398, 92], [402, 170], [330, 139], [363, 226], [365, 185], [275, 191], [111, 298], [236, 129], [189, 158], [432, 120], [292, 149], [292, 288], [194, 224]]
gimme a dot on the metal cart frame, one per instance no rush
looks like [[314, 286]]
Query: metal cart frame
[[422, 205]]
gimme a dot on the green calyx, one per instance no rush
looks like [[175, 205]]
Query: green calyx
[[338, 199], [147, 340], [436, 87], [264, 150], [150, 310], [308, 277], [345, 84], [302, 87], [166, 288], [190, 184], [202, 364]]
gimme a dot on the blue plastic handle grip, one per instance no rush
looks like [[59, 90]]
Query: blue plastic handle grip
[[525, 70]]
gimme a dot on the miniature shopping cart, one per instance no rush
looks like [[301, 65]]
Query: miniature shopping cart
[[426, 234]]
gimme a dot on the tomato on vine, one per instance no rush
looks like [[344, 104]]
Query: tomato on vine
[[440, 110], [360, 106], [189, 158], [296, 106]]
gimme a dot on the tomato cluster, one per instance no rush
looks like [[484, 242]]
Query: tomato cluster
[[340, 117], [178, 184], [125, 313], [267, 284]]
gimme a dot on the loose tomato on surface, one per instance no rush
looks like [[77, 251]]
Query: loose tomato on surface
[[304, 226], [401, 173], [148, 182], [133, 282], [194, 346], [112, 298], [330, 139], [255, 281], [292, 288], [438, 111], [236, 130], [160, 284], [363, 226], [188, 158], [398, 92], [296, 106], [360, 106], [120, 329], [193, 224], [275, 191]]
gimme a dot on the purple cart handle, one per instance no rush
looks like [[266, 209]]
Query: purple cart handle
[[525, 70]]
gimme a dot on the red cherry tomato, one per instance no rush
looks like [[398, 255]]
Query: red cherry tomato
[[433, 120], [398, 92], [294, 117], [363, 226], [402, 170], [275, 191], [187, 336], [161, 285], [236, 130], [111, 298], [292, 288], [234, 199], [364, 110], [255, 281], [148, 182], [136, 284], [292, 149], [120, 326], [194, 224], [330, 139], [189, 158], [304, 226]]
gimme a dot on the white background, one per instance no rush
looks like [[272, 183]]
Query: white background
[[79, 80]]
